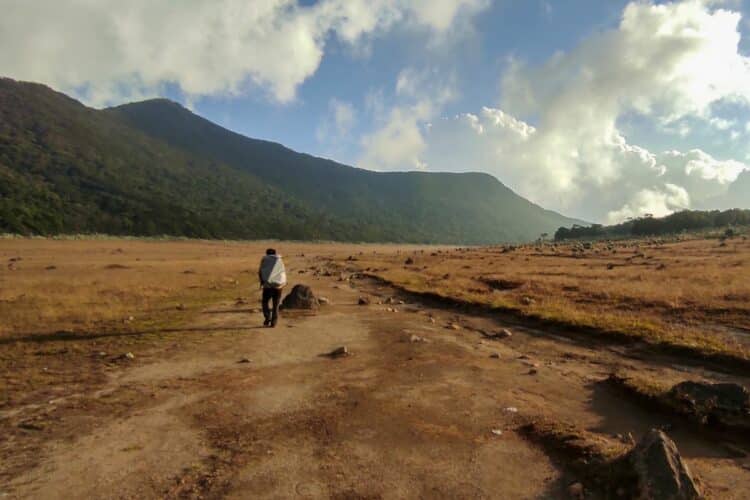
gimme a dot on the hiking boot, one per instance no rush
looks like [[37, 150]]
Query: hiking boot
[[267, 322]]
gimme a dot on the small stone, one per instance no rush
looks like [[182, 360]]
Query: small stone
[[511, 409], [497, 432], [363, 301], [339, 352], [533, 371], [128, 356], [454, 326], [502, 334], [180, 307], [244, 360], [324, 301], [495, 355], [417, 339]]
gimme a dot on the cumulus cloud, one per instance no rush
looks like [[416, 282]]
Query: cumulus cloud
[[399, 141], [109, 50], [657, 203], [667, 63], [338, 123]]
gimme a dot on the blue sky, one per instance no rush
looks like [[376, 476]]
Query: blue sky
[[532, 30], [600, 109]]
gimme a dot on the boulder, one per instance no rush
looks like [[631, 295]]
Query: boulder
[[724, 404], [301, 297], [660, 471]]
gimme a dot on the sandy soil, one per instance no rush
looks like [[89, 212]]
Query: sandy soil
[[397, 418]]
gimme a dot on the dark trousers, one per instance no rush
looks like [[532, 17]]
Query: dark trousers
[[272, 295]]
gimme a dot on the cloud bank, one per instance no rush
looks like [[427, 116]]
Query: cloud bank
[[665, 63], [110, 51]]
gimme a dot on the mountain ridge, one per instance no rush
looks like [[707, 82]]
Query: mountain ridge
[[154, 167]]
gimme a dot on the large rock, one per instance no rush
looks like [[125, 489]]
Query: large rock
[[660, 471], [301, 297], [713, 404]]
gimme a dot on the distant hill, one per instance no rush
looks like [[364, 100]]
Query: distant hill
[[685, 220], [156, 168]]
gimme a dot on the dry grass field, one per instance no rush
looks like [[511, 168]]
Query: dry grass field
[[97, 293], [429, 404], [692, 294]]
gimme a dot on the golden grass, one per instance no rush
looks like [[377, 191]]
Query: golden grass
[[88, 285], [691, 294], [64, 301]]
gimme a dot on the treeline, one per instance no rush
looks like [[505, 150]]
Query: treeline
[[686, 220]]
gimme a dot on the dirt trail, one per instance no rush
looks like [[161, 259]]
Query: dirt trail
[[396, 419]]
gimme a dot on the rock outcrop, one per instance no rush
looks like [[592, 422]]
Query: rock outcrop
[[301, 297]]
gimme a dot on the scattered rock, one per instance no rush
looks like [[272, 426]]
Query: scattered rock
[[502, 334], [180, 307], [339, 352], [533, 371], [363, 301], [128, 356], [527, 301], [497, 432], [659, 469], [495, 355], [324, 301], [724, 404], [50, 268], [409, 261], [301, 297], [511, 409], [415, 339], [244, 360], [454, 326]]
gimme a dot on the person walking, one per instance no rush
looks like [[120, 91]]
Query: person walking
[[272, 275]]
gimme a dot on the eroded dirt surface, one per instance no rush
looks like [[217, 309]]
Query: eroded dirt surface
[[409, 414]]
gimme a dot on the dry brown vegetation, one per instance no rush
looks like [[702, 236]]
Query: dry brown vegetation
[[690, 295], [106, 295], [212, 403]]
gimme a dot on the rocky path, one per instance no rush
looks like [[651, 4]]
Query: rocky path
[[425, 406]]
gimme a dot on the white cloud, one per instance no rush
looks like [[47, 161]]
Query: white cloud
[[109, 50], [338, 123], [657, 203], [666, 63], [399, 142]]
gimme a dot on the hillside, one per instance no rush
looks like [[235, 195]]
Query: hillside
[[65, 168], [425, 207], [156, 168]]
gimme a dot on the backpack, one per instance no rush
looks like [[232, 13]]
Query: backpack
[[273, 273]]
